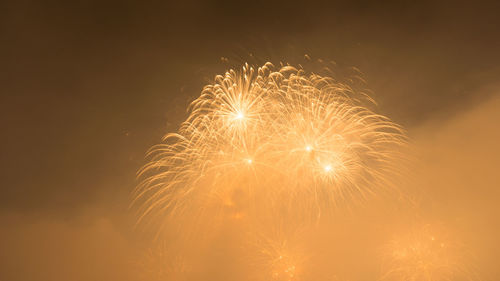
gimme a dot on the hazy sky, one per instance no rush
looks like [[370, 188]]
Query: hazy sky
[[88, 86]]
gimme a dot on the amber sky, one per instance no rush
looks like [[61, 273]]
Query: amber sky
[[88, 86]]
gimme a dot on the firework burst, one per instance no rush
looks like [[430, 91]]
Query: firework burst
[[264, 137], [159, 264], [282, 255], [426, 253]]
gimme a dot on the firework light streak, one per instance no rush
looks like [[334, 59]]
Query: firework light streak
[[301, 141]]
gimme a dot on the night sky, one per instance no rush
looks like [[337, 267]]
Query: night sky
[[88, 86]]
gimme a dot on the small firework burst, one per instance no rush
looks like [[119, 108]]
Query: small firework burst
[[426, 253]]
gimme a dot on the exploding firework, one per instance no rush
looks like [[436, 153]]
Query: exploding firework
[[159, 264], [426, 253], [298, 142], [281, 255]]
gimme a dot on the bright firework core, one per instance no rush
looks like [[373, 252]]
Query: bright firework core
[[239, 116], [328, 168]]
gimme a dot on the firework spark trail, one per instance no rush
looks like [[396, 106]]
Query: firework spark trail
[[300, 141]]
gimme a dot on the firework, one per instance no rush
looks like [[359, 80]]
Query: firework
[[426, 253], [159, 263], [282, 255], [257, 138]]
